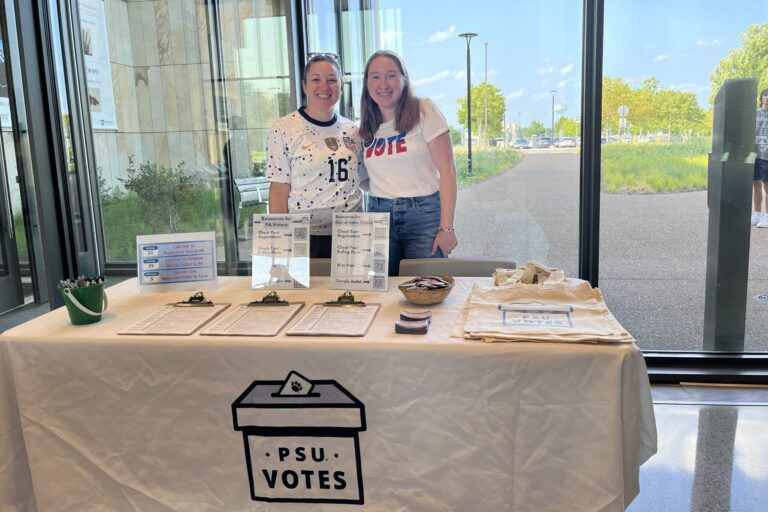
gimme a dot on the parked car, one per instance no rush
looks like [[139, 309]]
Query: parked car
[[567, 142], [542, 142], [522, 144]]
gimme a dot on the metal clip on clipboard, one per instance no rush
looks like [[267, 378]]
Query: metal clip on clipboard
[[346, 299], [271, 299], [197, 300]]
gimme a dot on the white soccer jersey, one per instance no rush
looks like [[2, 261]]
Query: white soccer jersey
[[322, 161], [401, 165]]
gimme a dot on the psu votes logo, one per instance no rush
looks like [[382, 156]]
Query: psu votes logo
[[301, 440]]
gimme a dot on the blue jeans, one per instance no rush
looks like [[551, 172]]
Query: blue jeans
[[413, 225]]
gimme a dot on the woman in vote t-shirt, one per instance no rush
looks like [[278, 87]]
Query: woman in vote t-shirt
[[409, 159]]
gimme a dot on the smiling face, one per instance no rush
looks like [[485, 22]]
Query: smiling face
[[322, 88], [385, 85]]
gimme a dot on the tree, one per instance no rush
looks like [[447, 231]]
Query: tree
[[456, 136], [749, 61], [496, 109], [568, 126], [652, 108], [535, 129]]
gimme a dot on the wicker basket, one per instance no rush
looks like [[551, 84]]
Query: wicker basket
[[428, 297]]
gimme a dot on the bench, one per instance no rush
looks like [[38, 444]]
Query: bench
[[251, 191]]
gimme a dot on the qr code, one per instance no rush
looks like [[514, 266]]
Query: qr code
[[378, 266], [379, 251], [300, 250], [380, 232], [379, 283], [300, 234]]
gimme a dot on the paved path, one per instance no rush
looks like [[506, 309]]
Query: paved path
[[652, 246]]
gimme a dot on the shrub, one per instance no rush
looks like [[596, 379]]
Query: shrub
[[162, 191]]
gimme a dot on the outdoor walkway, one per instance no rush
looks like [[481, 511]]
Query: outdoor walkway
[[652, 247]]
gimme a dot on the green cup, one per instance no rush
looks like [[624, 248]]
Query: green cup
[[85, 305]]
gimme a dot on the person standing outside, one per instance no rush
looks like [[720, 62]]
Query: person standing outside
[[409, 159], [760, 185], [314, 156]]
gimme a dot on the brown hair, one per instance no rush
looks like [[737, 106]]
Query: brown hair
[[760, 97], [407, 112], [321, 57]]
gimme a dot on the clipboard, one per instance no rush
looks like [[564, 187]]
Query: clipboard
[[342, 317], [265, 317], [179, 318]]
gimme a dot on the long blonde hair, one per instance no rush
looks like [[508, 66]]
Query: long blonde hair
[[407, 112]]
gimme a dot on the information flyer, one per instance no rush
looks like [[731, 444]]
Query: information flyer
[[360, 256], [280, 253], [93, 38], [179, 261]]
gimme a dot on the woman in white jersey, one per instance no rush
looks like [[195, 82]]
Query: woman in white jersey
[[409, 160], [314, 161]]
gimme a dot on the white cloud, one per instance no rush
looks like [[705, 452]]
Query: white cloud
[[431, 79], [439, 96], [459, 75], [709, 42], [437, 76], [567, 69], [515, 94], [389, 36], [441, 36], [562, 83], [541, 96], [660, 58], [544, 71], [689, 87]]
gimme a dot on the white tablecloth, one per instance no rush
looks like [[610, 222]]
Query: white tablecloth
[[90, 420]]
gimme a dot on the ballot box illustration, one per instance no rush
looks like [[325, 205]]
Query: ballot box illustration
[[301, 440]]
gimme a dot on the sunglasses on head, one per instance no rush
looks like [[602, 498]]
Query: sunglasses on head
[[321, 55]]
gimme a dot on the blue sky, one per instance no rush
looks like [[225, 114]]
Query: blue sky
[[535, 47]]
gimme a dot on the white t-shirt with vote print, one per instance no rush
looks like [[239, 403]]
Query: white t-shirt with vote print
[[321, 161], [400, 165]]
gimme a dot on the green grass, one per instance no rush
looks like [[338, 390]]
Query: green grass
[[654, 168], [486, 162], [127, 217]]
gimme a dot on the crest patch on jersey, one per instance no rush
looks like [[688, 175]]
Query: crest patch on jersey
[[350, 144], [332, 143]]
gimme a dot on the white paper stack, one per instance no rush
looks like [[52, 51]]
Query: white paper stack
[[570, 311]]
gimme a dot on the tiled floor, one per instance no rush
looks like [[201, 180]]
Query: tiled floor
[[713, 451]]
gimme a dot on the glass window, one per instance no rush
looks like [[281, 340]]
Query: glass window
[[520, 201], [659, 246], [182, 95]]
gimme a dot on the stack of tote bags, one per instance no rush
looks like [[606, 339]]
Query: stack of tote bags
[[538, 304]]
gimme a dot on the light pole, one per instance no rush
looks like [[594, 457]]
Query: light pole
[[469, 36], [485, 89], [552, 135]]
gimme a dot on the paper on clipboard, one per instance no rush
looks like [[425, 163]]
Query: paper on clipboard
[[173, 320], [323, 320], [244, 320]]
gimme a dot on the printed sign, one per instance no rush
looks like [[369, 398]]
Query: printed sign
[[360, 253], [93, 39], [301, 440], [280, 253], [180, 261]]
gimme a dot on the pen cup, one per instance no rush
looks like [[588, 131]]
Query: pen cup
[[85, 305]]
